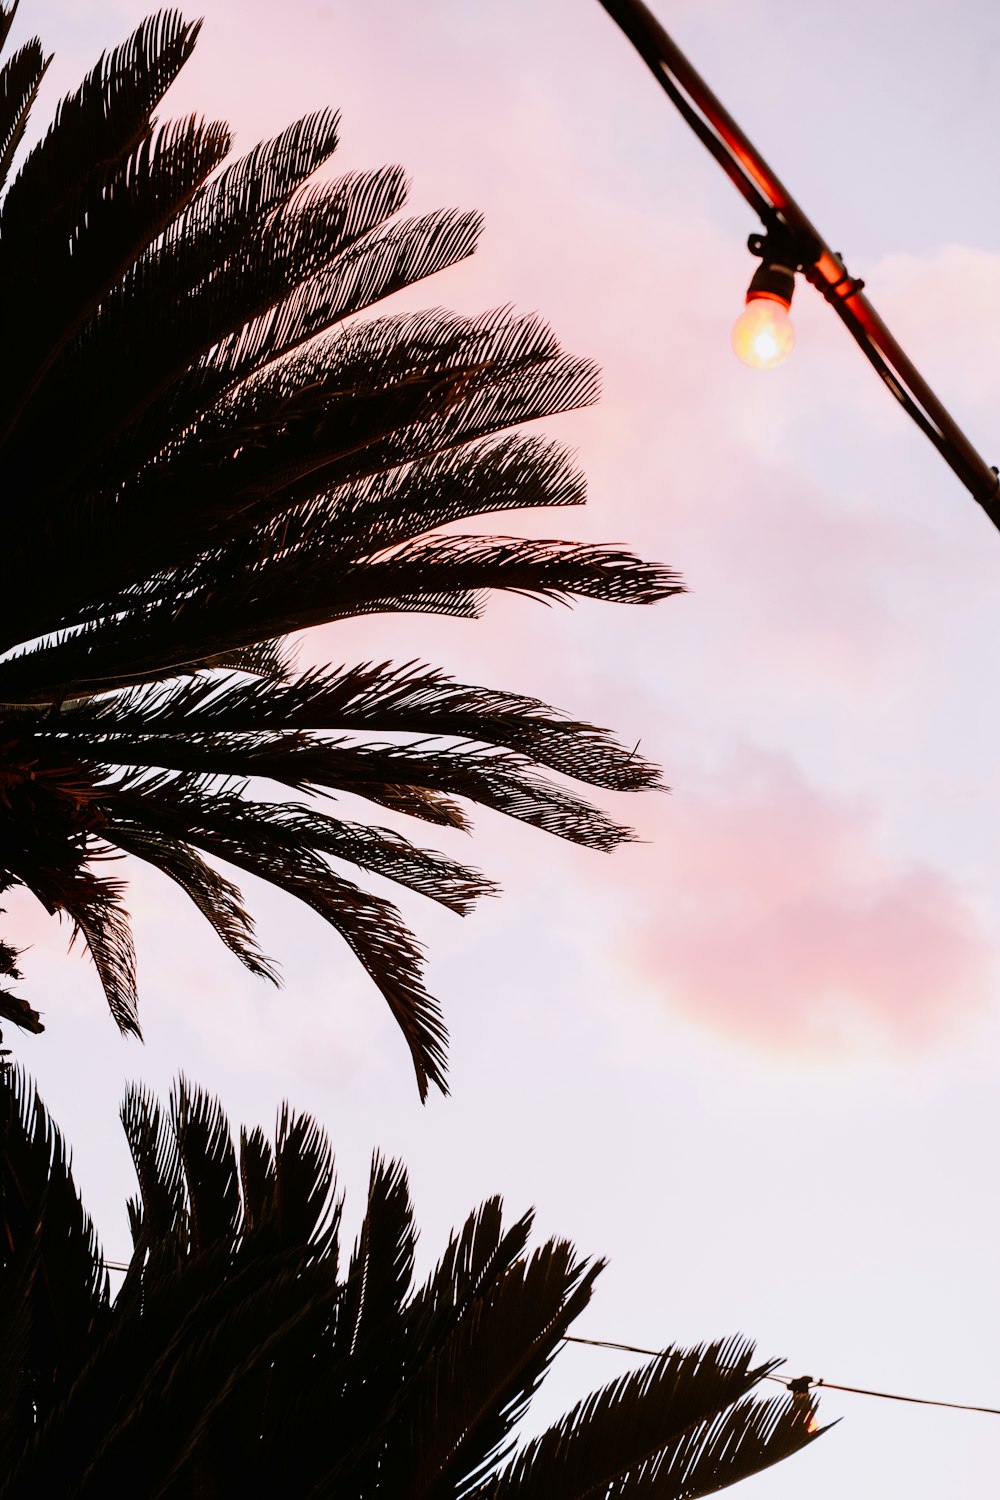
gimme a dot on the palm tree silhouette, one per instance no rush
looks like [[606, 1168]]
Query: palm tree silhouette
[[239, 1359], [201, 451]]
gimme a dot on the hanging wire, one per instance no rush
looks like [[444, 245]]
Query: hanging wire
[[822, 267], [803, 1383]]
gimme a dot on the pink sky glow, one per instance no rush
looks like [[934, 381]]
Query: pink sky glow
[[766, 909]]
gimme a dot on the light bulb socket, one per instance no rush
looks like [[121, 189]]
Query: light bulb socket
[[773, 282]]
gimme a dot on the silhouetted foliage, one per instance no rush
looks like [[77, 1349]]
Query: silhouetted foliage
[[201, 450], [239, 1358]]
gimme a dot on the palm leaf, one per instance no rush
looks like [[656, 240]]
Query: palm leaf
[[94, 907], [7, 14], [623, 1431], [237, 1359], [20, 80], [217, 899], [203, 450], [208, 1163], [156, 1217], [408, 699], [741, 1442], [53, 1286], [114, 219], [370, 926], [449, 1433], [501, 780], [94, 130], [12, 1007], [304, 1202]]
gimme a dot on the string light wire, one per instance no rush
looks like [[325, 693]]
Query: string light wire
[[803, 1383], [824, 268]]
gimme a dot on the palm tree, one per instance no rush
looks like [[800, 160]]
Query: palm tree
[[201, 451], [238, 1360]]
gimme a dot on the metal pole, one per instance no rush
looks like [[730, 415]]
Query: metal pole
[[777, 209]]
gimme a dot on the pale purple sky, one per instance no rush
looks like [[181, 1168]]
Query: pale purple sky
[[754, 1059]]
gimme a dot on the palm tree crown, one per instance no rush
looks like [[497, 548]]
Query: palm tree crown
[[201, 450], [238, 1359]]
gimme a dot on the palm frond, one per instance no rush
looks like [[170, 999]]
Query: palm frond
[[273, 660], [170, 311], [20, 80], [54, 1291], [258, 1179], [208, 1163], [381, 1267], [237, 1359], [297, 829], [218, 900], [204, 450], [622, 1432], [444, 1436], [253, 187], [371, 927], [381, 510], [363, 273], [93, 132], [500, 780], [475, 1259], [157, 1216], [97, 126], [304, 1202], [12, 1007], [406, 699], [113, 221], [94, 906], [7, 14], [750, 1437]]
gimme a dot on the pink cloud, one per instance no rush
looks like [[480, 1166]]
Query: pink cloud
[[773, 914]]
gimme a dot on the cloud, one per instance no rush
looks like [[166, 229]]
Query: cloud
[[773, 914]]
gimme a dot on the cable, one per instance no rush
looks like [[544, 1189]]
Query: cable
[[755, 180], [572, 1338], [803, 1383], [860, 1390]]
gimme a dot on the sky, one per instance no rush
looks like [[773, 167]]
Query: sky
[[752, 1058]]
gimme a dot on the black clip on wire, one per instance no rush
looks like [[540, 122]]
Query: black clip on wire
[[784, 246], [832, 289]]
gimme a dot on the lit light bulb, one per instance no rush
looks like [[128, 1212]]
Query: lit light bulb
[[763, 334]]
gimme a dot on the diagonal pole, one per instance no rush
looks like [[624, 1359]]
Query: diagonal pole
[[821, 266]]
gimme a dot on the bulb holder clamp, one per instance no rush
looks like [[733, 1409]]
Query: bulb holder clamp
[[773, 281], [782, 252]]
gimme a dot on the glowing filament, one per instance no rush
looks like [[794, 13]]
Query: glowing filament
[[763, 334]]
